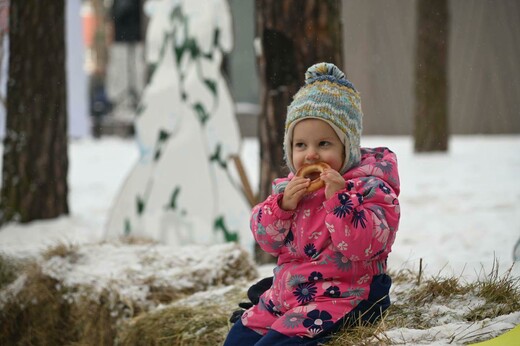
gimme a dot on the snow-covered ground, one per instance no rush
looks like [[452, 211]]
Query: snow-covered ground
[[97, 169], [460, 210]]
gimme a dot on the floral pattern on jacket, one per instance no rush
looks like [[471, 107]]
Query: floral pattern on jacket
[[328, 250]]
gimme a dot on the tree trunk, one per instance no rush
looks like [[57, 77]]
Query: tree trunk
[[35, 163], [431, 69], [293, 35]]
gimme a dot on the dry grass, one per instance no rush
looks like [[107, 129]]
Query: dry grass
[[361, 335], [45, 312], [37, 315], [133, 240], [9, 269], [412, 306], [61, 250], [177, 325], [202, 323], [438, 287], [404, 276], [500, 292]]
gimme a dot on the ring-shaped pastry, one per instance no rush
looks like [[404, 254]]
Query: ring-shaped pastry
[[309, 171]]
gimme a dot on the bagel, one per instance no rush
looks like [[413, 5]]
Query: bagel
[[309, 171]]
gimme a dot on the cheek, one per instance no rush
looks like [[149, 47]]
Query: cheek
[[336, 161], [297, 159], [336, 164]]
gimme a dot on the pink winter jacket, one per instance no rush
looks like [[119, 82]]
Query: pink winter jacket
[[328, 250]]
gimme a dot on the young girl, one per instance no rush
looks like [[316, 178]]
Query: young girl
[[332, 244]]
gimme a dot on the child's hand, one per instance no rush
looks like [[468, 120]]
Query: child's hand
[[294, 192], [333, 182]]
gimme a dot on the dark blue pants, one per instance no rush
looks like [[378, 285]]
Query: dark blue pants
[[369, 311]]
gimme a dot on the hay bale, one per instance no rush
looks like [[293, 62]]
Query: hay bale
[[9, 267], [151, 274], [37, 310], [36, 313], [86, 295], [177, 325]]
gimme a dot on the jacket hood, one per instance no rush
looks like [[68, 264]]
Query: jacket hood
[[378, 162]]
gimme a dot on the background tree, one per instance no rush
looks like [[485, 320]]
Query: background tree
[[431, 81], [291, 36], [35, 163]]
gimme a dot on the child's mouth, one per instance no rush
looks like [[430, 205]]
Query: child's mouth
[[313, 175]]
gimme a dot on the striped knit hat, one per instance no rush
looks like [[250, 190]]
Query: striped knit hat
[[327, 95]]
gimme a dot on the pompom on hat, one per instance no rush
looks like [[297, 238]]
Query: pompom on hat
[[327, 95]]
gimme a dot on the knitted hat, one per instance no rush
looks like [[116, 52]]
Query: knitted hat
[[327, 95]]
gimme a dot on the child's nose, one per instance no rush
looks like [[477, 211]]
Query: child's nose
[[312, 155]]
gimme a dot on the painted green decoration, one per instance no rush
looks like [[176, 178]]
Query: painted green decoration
[[128, 228], [201, 113], [212, 85], [139, 205], [161, 141], [182, 190], [220, 225], [173, 201], [216, 157]]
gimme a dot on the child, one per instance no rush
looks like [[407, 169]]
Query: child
[[331, 244]]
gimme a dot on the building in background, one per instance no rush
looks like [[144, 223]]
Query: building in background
[[483, 77], [77, 103], [379, 48], [77, 81]]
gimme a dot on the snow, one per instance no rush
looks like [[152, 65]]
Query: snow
[[459, 210], [132, 269], [454, 333], [96, 171], [460, 215]]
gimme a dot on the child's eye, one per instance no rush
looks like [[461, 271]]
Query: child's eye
[[324, 143], [299, 145]]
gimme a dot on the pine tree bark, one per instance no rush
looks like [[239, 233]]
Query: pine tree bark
[[35, 162], [431, 74], [292, 35]]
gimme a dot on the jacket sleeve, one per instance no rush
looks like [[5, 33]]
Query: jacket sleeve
[[362, 219], [270, 224]]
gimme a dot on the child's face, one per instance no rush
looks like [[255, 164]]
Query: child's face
[[316, 141]]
